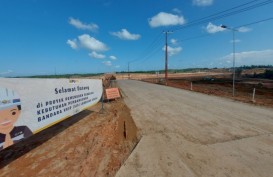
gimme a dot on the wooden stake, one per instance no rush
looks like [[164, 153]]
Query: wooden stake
[[253, 95]]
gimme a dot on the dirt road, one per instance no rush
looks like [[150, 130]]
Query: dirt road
[[191, 134]]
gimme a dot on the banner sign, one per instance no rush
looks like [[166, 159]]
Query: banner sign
[[28, 106]]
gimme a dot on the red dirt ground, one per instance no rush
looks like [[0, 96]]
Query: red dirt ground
[[221, 85], [88, 144]]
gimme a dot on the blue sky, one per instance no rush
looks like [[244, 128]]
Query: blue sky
[[40, 37]]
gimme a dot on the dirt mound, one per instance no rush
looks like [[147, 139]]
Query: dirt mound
[[88, 144], [107, 80]]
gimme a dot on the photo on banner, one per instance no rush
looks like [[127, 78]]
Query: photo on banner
[[28, 106]]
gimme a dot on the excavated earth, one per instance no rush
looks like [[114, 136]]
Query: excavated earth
[[91, 143]]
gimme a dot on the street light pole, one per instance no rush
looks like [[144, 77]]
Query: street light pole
[[233, 42], [166, 56], [233, 82], [128, 70]]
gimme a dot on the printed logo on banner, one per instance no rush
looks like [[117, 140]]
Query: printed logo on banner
[[72, 81]]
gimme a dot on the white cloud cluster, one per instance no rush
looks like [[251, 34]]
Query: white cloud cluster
[[202, 2], [6, 72], [126, 35], [91, 43], [244, 29], [172, 50], [72, 43], [96, 55], [107, 63], [235, 41], [166, 19], [211, 28], [176, 10], [262, 57], [112, 57], [80, 25], [174, 41]]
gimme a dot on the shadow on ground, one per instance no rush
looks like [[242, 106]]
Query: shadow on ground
[[15, 151]]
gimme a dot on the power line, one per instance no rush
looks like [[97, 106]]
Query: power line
[[224, 11], [256, 22], [219, 15], [206, 35], [194, 37], [152, 49], [151, 53], [216, 16], [148, 49]]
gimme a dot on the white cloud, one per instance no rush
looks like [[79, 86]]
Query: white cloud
[[107, 63], [80, 25], [91, 43], [211, 28], [176, 10], [202, 2], [96, 55], [117, 66], [244, 29], [166, 19], [261, 57], [173, 41], [236, 41], [72, 43], [126, 35], [6, 72], [172, 50], [113, 57]]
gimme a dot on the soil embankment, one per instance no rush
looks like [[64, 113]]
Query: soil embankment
[[88, 144]]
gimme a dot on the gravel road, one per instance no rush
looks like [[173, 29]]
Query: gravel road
[[191, 134]]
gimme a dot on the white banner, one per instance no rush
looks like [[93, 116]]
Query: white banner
[[28, 106]]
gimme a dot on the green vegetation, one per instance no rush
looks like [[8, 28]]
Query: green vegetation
[[268, 74], [63, 76], [169, 71], [256, 66]]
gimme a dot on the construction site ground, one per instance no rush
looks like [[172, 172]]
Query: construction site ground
[[164, 131], [221, 84], [91, 143], [191, 134]]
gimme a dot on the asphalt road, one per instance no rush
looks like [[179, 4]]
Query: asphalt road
[[191, 134]]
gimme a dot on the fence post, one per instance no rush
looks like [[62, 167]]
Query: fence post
[[102, 104], [191, 85], [253, 95]]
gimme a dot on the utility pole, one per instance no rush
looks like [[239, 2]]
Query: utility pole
[[166, 56]]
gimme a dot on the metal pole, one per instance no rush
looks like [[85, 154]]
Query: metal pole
[[233, 83], [233, 36], [128, 70], [102, 104], [166, 58]]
